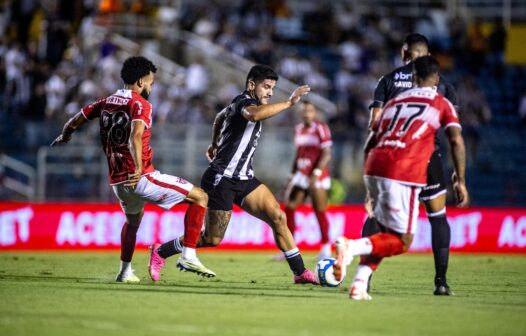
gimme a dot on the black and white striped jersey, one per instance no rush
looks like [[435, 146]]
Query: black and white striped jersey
[[237, 142]]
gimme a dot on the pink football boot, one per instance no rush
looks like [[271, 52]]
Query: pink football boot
[[156, 263], [305, 278]]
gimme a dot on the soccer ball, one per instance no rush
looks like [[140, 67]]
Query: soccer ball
[[325, 273]]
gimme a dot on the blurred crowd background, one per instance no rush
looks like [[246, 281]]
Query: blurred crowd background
[[56, 56]]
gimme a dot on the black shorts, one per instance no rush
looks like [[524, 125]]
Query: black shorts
[[222, 194], [436, 183]]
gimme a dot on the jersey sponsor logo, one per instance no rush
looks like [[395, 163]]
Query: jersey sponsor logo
[[403, 76], [432, 186], [393, 143], [402, 84]]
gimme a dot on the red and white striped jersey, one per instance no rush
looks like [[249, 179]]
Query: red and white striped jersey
[[309, 141], [405, 135], [116, 113]]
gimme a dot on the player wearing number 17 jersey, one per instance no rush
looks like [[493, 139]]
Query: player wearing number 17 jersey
[[433, 195], [396, 158], [125, 120]]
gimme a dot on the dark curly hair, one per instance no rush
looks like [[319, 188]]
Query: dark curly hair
[[135, 68], [260, 72], [425, 66]]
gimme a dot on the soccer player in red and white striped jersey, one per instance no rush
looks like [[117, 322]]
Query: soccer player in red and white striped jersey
[[125, 120], [396, 158], [310, 172]]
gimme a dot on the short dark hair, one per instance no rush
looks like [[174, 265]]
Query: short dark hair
[[260, 72], [415, 38], [425, 66], [135, 68]]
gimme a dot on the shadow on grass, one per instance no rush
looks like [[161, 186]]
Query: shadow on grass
[[213, 287]]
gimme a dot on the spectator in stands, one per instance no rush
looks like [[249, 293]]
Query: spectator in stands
[[477, 48], [317, 78], [474, 113], [34, 115], [88, 87], [497, 46], [206, 26], [351, 51], [56, 93], [197, 77]]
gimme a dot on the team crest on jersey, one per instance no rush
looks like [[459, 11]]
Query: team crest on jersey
[[181, 181]]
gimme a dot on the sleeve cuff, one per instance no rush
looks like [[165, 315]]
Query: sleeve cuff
[[144, 122]]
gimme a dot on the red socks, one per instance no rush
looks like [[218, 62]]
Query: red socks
[[128, 237], [324, 226], [291, 221], [370, 260], [193, 223], [386, 245]]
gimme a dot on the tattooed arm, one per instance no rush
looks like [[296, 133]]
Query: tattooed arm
[[216, 132]]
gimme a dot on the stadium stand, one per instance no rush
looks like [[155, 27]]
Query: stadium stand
[[57, 55]]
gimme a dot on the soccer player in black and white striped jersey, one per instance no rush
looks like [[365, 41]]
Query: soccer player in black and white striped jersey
[[230, 178]]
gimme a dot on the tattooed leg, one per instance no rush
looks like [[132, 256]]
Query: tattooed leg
[[216, 224]]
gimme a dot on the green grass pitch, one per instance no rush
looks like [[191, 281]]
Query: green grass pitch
[[74, 294]]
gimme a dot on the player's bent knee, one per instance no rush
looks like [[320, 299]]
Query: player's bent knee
[[279, 219], [292, 205], [200, 197]]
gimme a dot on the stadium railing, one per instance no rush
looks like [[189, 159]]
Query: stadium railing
[[18, 176]]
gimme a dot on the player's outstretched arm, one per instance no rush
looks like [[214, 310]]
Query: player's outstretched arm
[[69, 127], [256, 113], [458, 152]]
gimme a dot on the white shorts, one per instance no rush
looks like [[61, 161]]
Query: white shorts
[[302, 181], [395, 205], [156, 188]]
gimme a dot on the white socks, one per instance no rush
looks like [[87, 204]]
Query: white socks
[[177, 245], [125, 267], [188, 253], [326, 249], [362, 246], [291, 253], [363, 272]]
